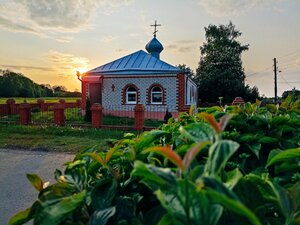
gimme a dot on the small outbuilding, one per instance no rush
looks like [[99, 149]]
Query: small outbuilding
[[140, 78]]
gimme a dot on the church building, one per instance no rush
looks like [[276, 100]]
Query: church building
[[140, 78]]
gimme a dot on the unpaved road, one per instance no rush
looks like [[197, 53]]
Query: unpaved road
[[16, 193]]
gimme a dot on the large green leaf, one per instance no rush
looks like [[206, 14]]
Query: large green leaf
[[219, 187], [54, 193], [101, 217], [233, 205], [147, 139], [267, 140], [154, 177], [233, 177], [166, 220], [36, 181], [188, 205], [218, 155], [103, 194], [125, 209], [255, 148], [156, 215], [21, 217], [197, 132], [52, 214], [260, 195], [284, 156]]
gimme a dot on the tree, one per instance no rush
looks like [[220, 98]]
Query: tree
[[187, 70], [220, 72], [294, 93], [59, 88]]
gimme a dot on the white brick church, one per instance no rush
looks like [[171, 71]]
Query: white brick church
[[140, 78]]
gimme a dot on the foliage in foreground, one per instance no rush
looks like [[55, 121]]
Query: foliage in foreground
[[186, 172]]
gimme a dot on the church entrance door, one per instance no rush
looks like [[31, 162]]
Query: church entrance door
[[95, 93]]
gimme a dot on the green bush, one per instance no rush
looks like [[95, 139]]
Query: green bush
[[237, 165]]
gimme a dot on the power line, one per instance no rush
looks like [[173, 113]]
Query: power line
[[282, 77], [288, 64], [255, 73], [291, 82], [291, 53]]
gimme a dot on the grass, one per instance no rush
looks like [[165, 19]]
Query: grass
[[52, 138], [34, 100]]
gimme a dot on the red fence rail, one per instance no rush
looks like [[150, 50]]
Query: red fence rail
[[137, 117]]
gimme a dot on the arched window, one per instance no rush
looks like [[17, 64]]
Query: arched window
[[156, 95], [131, 95]]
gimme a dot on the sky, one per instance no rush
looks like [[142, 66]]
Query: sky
[[49, 40]]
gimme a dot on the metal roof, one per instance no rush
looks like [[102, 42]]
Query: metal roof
[[138, 62]]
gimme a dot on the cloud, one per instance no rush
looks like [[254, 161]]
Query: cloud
[[51, 17], [9, 25], [183, 46], [21, 67], [108, 39], [221, 8], [67, 63], [121, 50]]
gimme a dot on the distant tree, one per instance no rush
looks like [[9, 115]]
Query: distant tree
[[17, 85], [14, 84], [187, 70], [47, 90], [220, 72], [250, 94], [59, 88], [294, 93]]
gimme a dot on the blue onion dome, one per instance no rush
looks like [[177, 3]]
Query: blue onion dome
[[154, 47]]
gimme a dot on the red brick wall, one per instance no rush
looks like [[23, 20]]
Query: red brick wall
[[181, 91], [83, 94]]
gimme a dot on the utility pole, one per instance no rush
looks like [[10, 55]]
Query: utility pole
[[275, 80]]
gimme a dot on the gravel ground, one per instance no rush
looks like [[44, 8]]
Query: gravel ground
[[16, 193]]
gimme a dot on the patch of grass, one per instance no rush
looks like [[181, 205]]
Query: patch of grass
[[52, 138], [34, 100]]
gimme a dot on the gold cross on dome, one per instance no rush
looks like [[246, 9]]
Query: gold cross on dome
[[155, 30]]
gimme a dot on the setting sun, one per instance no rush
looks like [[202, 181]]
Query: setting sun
[[81, 70]]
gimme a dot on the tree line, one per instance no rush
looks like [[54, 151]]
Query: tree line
[[14, 84]]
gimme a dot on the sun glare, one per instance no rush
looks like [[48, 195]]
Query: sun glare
[[81, 70]]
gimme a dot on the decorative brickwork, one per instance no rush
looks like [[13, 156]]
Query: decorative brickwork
[[11, 105], [25, 113], [181, 91], [59, 114], [83, 94], [143, 82], [96, 115], [139, 117], [42, 105]]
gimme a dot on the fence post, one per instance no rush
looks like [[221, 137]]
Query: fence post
[[25, 113], [139, 117], [11, 106], [78, 101], [62, 102], [42, 105], [59, 114], [96, 115]]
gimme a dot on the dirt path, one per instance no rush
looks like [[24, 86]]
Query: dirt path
[[16, 193]]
